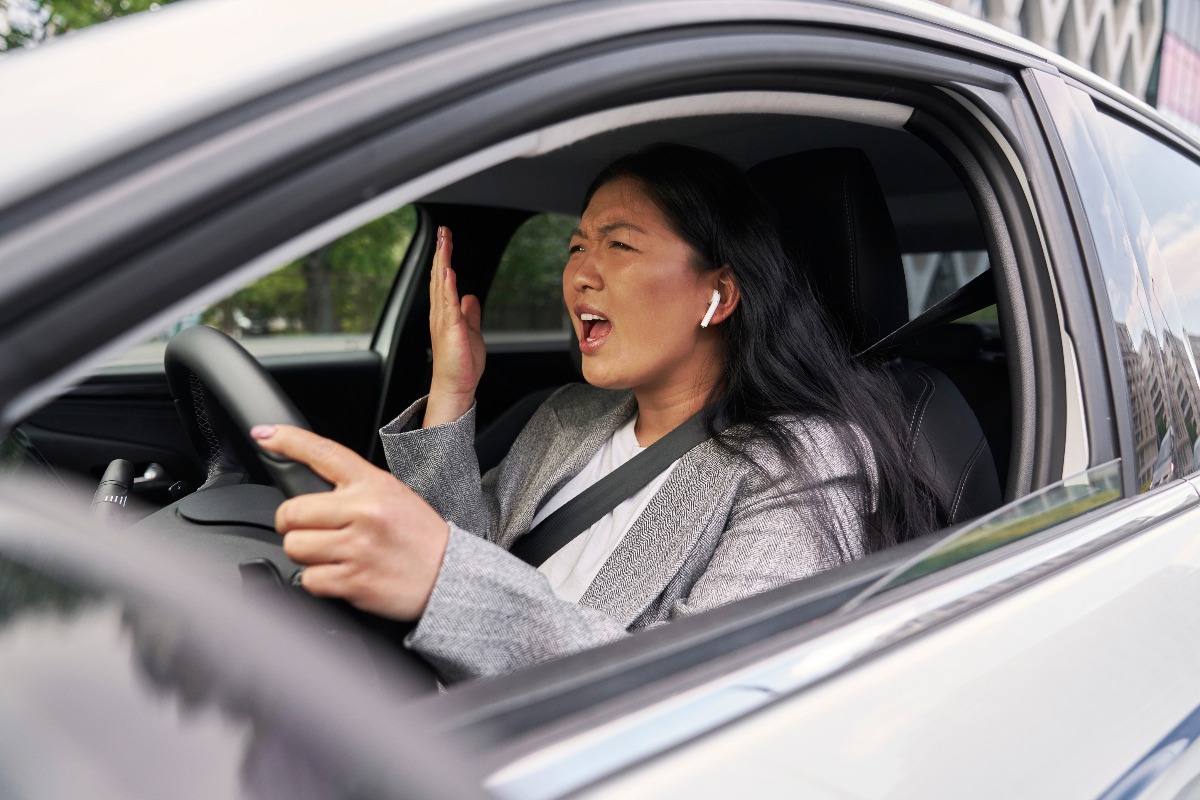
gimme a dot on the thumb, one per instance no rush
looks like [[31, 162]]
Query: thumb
[[472, 312]]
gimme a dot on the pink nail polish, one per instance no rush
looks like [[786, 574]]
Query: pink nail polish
[[262, 431]]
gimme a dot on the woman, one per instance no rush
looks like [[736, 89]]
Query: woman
[[684, 303]]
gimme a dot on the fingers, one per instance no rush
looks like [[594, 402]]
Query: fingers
[[327, 580], [325, 511], [317, 546], [445, 246], [442, 280], [330, 460], [449, 293]]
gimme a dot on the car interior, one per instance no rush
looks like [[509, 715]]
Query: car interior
[[884, 221], [852, 199]]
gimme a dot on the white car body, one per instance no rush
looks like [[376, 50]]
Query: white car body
[[1061, 664]]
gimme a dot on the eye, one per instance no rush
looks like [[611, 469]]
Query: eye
[[575, 248], [616, 245]]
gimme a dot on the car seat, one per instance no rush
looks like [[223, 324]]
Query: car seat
[[834, 218]]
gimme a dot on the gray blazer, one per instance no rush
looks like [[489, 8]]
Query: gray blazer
[[716, 531]]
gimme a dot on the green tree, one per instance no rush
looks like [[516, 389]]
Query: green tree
[[526, 293], [362, 266], [340, 288], [33, 21]]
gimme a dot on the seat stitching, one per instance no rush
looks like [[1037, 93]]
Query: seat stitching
[[962, 483], [922, 405]]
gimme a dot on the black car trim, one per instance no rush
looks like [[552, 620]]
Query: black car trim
[[1109, 431], [1026, 367], [1130, 109]]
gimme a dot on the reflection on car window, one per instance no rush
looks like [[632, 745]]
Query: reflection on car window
[[526, 296], [1029, 515], [329, 300], [1157, 189], [19, 457], [119, 692], [932, 276], [27, 591]]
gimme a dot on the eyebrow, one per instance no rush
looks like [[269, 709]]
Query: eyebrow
[[609, 228]]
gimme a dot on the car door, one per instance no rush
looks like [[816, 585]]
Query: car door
[[1063, 605], [1058, 662], [1139, 184]]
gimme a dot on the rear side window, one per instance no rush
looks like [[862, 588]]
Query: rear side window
[[526, 297], [932, 276], [1158, 190]]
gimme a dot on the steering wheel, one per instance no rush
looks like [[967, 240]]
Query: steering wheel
[[220, 392]]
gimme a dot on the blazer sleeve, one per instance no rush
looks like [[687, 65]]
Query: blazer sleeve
[[440, 465], [491, 613]]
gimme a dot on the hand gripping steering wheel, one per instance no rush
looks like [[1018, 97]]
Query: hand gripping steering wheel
[[221, 392]]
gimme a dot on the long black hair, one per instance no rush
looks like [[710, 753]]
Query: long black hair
[[783, 359]]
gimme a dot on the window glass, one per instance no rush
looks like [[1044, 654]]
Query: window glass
[[1031, 514], [329, 300], [526, 295], [1158, 190], [932, 276]]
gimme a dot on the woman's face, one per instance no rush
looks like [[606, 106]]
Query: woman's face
[[635, 298]]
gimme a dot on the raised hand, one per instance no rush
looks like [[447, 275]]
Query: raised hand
[[372, 541], [454, 329]]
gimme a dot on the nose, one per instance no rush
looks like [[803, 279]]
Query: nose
[[584, 272]]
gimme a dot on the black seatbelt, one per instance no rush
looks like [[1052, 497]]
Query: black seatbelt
[[977, 293], [589, 506]]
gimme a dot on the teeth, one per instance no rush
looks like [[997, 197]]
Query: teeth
[[592, 318]]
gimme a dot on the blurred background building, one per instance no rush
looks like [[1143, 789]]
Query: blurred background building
[[1150, 48], [1177, 93]]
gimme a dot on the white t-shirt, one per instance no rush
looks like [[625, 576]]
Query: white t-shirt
[[571, 570]]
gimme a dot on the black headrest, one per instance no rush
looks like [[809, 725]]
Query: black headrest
[[833, 216]]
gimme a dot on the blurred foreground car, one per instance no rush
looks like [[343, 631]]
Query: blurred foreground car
[[1043, 227]]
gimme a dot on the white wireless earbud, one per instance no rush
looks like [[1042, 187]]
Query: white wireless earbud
[[712, 309]]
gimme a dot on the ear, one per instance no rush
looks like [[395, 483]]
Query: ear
[[730, 297]]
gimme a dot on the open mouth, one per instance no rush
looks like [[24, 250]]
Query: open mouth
[[595, 327]]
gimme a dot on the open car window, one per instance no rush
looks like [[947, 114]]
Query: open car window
[[329, 300], [525, 299], [1054, 505]]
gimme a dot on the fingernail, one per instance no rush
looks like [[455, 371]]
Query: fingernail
[[445, 273], [262, 431], [441, 237]]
